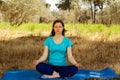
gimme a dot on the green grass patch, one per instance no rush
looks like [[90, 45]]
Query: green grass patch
[[34, 27], [79, 28]]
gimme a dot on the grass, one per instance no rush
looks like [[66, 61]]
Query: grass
[[90, 31], [33, 27], [95, 46], [80, 28], [19, 53]]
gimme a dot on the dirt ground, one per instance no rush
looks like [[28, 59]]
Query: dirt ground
[[20, 52]]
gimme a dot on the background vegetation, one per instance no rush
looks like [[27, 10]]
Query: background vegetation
[[83, 11], [92, 25]]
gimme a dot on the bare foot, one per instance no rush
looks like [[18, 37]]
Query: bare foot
[[55, 75]]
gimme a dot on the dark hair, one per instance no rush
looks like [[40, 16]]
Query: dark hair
[[57, 21]]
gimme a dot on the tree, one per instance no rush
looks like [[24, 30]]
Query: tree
[[71, 12], [22, 11], [94, 6], [111, 13], [64, 5], [75, 6]]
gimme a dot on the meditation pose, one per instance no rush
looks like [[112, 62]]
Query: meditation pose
[[57, 49]]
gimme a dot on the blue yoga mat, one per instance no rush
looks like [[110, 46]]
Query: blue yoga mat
[[81, 74]]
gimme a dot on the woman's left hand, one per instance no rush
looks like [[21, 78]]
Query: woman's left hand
[[78, 65]]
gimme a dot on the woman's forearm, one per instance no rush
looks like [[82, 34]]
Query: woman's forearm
[[70, 56], [44, 56], [72, 60], [42, 59]]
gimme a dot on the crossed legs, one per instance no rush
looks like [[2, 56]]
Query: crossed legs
[[56, 71]]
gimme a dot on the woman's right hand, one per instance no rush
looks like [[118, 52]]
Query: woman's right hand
[[35, 62]]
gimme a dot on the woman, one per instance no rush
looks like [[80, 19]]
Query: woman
[[57, 48]]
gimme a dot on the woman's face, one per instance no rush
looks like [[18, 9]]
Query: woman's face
[[58, 28]]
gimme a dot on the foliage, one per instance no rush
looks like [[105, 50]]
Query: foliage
[[64, 4], [22, 11], [93, 5], [104, 11]]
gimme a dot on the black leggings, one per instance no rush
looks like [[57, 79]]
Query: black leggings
[[64, 71]]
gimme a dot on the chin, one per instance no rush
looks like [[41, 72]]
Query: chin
[[58, 33]]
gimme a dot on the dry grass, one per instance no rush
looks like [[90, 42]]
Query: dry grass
[[18, 53]]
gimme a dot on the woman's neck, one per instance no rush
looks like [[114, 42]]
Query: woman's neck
[[58, 36], [58, 39]]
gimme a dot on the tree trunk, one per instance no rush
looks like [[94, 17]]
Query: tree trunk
[[92, 12]]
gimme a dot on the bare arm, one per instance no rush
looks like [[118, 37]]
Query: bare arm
[[71, 58], [43, 57]]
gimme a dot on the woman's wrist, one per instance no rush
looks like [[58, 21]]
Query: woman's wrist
[[78, 65]]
